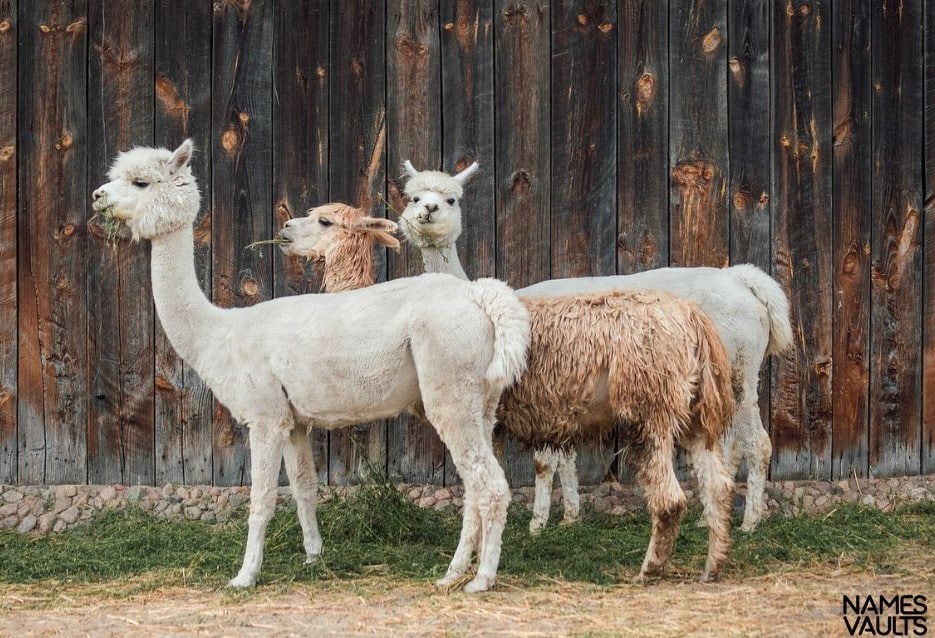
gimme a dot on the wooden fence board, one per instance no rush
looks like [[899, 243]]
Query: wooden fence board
[[584, 157], [896, 278], [643, 137], [851, 192], [928, 250], [8, 300], [801, 118], [121, 417], [467, 136], [184, 405], [242, 182], [521, 164], [415, 453], [300, 146], [749, 144], [698, 134], [358, 171], [52, 269]]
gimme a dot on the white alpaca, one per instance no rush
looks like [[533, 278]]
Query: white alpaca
[[365, 355], [647, 361], [748, 307]]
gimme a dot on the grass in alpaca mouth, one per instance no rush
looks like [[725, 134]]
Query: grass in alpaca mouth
[[428, 241], [255, 246], [110, 225], [377, 531]]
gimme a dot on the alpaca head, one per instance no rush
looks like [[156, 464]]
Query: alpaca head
[[432, 217], [329, 228], [151, 190]]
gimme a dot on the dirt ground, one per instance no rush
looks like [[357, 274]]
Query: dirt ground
[[799, 603]]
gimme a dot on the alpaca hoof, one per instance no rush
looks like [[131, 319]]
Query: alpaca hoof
[[240, 581], [748, 526], [570, 520], [450, 581], [709, 577], [311, 559], [479, 584]]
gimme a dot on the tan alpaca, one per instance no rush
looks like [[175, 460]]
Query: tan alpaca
[[643, 360]]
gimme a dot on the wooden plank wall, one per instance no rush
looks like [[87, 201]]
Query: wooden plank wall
[[613, 136]]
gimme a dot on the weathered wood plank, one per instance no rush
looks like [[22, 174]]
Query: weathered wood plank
[[523, 140], [851, 192], [8, 190], [584, 156], [184, 405], [415, 453], [121, 413], [242, 183], [52, 266], [698, 134], [896, 276], [749, 144], [928, 250], [523, 137], [300, 145], [468, 118], [643, 137], [358, 171], [801, 124]]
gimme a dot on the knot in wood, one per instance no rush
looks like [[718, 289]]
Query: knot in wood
[[515, 11], [763, 202], [250, 287], [582, 19], [738, 70], [645, 92], [7, 152], [65, 143], [5, 25], [711, 41], [804, 10], [742, 199], [230, 139], [68, 229], [606, 27], [244, 117], [520, 181], [320, 71], [695, 174], [45, 28]]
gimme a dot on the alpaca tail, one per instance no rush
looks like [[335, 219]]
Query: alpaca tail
[[769, 293], [714, 397], [511, 331]]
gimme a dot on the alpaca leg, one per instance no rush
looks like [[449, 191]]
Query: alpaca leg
[[665, 501], [715, 487], [568, 473], [266, 450], [487, 492], [758, 451], [303, 480], [545, 460]]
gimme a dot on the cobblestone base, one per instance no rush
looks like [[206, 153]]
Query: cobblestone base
[[55, 508]]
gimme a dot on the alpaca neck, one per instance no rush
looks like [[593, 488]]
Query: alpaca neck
[[185, 313], [349, 266], [443, 259]]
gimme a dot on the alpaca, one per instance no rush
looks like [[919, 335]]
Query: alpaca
[[365, 355], [748, 307], [340, 239], [646, 360]]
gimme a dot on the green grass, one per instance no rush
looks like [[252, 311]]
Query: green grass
[[379, 531]]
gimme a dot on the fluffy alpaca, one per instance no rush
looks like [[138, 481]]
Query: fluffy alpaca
[[340, 238], [422, 336], [645, 360], [748, 307]]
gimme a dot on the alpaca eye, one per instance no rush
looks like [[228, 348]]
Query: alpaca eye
[[325, 222], [415, 200], [451, 202], [140, 184]]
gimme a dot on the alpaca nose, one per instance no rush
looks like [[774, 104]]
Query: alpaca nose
[[432, 208], [96, 195]]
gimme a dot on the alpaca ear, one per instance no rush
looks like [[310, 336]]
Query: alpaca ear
[[465, 175], [181, 156], [410, 169], [384, 239], [376, 224]]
